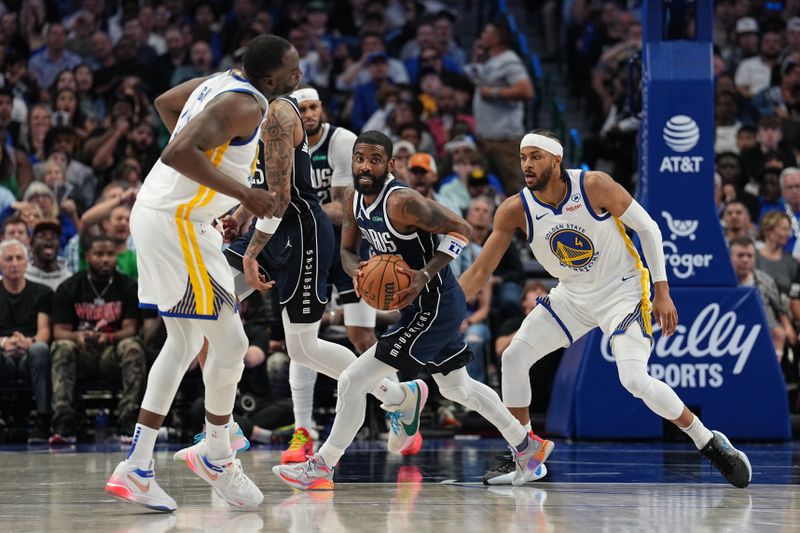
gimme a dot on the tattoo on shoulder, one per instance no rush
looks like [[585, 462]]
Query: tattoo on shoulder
[[419, 211], [278, 136]]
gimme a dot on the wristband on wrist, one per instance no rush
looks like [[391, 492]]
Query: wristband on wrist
[[452, 244], [268, 225]]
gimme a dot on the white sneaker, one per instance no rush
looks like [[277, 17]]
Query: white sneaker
[[135, 485], [225, 476], [239, 443], [404, 418]]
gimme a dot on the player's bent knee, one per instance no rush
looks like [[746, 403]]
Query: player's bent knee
[[634, 377], [519, 357]]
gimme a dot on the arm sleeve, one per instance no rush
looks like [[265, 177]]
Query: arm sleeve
[[342, 158], [636, 218]]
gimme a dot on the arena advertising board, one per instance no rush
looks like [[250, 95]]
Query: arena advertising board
[[720, 361]]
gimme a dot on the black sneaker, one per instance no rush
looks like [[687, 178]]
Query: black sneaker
[[41, 431], [731, 463], [504, 474]]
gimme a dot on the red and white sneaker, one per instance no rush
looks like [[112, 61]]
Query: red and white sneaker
[[312, 474], [301, 447], [132, 484]]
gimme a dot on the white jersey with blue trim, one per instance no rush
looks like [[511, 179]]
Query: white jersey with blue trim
[[585, 251], [166, 189]]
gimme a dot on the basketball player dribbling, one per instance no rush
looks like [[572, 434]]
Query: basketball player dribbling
[[398, 220], [201, 174], [575, 222]]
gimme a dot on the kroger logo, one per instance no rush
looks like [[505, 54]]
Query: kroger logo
[[683, 264], [681, 133]]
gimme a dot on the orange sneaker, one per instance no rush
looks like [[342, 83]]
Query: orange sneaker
[[301, 447]]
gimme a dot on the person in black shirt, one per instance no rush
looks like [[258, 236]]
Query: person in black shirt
[[25, 331], [95, 321]]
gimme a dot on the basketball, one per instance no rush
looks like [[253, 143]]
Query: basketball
[[381, 280]]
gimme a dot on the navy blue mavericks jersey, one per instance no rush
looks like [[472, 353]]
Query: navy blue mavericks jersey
[[416, 248], [304, 196], [321, 166]]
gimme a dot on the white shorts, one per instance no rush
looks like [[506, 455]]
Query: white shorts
[[182, 271], [614, 309]]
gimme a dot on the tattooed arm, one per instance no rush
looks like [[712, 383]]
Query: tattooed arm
[[409, 210], [282, 132]]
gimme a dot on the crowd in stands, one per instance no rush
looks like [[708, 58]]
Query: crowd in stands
[[80, 134]]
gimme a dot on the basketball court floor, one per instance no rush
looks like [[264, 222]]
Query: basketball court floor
[[590, 487]]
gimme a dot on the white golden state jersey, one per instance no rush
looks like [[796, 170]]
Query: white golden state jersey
[[588, 253], [166, 189]]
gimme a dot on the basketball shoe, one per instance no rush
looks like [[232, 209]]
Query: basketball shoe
[[135, 485], [225, 476], [529, 459], [313, 474], [504, 474], [404, 418], [731, 463], [239, 443], [301, 447]]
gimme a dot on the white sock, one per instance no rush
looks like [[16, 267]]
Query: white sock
[[144, 440], [389, 392], [528, 427], [302, 380], [698, 433], [218, 440], [330, 454]]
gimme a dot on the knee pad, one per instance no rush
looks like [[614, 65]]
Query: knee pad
[[519, 357], [459, 387], [301, 376], [225, 364], [634, 377]]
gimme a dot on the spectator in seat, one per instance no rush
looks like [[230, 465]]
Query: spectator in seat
[[46, 64], [790, 192], [502, 88], [772, 258], [736, 221], [95, 322], [25, 332], [754, 74], [14, 227], [46, 267], [768, 138], [506, 331], [743, 257], [782, 100]]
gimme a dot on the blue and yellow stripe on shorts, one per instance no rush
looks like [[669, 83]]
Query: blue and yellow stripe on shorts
[[203, 294], [642, 313]]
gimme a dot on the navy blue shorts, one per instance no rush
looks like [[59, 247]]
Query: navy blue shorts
[[298, 257], [428, 334]]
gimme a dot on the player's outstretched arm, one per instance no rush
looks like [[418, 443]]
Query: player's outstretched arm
[[507, 219], [606, 194], [278, 135], [229, 116], [170, 104], [409, 210]]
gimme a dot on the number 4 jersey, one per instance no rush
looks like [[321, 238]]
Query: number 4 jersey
[[586, 251]]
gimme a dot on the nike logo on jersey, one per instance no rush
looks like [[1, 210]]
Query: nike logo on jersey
[[626, 278], [539, 217]]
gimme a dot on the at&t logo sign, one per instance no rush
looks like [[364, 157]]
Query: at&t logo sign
[[681, 134]]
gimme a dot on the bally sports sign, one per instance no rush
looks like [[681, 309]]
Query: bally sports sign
[[719, 353]]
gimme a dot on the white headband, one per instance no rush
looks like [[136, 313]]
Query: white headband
[[534, 140], [302, 95]]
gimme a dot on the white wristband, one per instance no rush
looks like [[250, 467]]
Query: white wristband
[[452, 244], [268, 225]]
